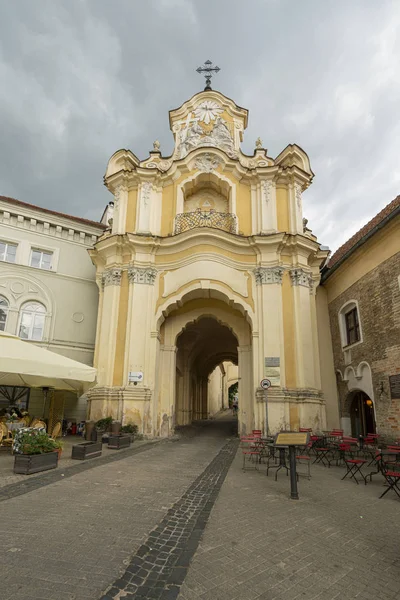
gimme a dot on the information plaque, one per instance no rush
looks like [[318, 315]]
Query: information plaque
[[394, 382], [292, 438]]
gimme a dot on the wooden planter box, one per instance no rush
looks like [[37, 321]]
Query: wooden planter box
[[119, 441], [86, 450], [27, 464]]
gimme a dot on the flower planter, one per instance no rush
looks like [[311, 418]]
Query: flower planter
[[86, 450], [26, 464], [117, 442]]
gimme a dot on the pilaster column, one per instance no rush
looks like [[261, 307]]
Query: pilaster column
[[120, 209], [305, 349], [271, 341], [111, 283], [268, 206], [295, 208], [140, 352], [246, 399], [144, 207], [166, 390]]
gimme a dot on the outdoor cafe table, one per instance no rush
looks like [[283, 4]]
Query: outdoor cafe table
[[15, 425]]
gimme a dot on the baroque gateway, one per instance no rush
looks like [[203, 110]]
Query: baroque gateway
[[208, 259]]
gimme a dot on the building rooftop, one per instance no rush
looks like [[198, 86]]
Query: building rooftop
[[365, 232], [53, 212]]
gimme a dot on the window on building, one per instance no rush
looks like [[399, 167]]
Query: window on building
[[3, 313], [32, 321], [41, 259], [352, 326], [8, 252]]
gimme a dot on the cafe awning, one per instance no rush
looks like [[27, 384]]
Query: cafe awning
[[26, 364]]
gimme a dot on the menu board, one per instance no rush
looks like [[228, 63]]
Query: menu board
[[292, 438]]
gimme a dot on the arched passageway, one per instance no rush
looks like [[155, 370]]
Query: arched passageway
[[361, 414], [196, 338], [201, 347]]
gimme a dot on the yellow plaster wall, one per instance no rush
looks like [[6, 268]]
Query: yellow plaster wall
[[282, 208], [131, 211], [383, 245], [204, 249], [288, 332], [168, 209], [118, 375], [327, 369], [243, 208]]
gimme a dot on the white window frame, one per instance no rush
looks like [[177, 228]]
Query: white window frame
[[347, 307], [9, 243], [42, 251], [31, 326], [5, 309]]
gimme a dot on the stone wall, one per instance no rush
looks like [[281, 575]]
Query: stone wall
[[378, 297]]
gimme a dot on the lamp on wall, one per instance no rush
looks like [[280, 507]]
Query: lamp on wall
[[368, 402]]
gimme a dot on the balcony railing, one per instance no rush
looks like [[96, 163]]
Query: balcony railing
[[209, 218]]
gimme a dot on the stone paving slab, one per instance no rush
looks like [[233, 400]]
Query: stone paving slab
[[8, 477], [338, 541], [72, 538]]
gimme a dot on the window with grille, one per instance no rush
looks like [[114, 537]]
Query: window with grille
[[8, 252], [352, 326]]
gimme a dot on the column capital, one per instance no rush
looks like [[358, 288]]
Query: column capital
[[145, 275], [112, 277], [267, 275], [301, 277]]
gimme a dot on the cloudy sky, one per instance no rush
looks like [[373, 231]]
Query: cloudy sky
[[80, 79]]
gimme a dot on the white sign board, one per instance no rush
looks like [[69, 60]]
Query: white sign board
[[265, 384], [135, 376]]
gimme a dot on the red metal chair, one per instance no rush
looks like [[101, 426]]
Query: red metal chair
[[353, 465], [249, 451], [304, 457], [392, 477], [257, 433]]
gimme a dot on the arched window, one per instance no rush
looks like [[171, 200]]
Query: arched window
[[3, 313], [32, 321], [349, 324]]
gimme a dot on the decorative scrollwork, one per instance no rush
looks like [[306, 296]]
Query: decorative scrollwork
[[210, 218]]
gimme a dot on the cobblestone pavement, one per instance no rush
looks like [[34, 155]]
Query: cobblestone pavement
[[69, 539], [338, 541]]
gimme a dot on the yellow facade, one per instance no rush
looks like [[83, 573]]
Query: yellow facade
[[208, 263]]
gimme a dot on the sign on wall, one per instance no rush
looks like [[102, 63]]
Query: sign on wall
[[272, 369], [135, 376]]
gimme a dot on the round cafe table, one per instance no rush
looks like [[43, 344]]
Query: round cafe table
[[14, 425]]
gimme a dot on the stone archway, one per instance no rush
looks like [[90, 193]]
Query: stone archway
[[194, 338]]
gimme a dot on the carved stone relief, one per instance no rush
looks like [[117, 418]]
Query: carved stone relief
[[193, 135], [207, 162], [146, 275], [268, 275], [301, 277], [112, 277], [266, 189]]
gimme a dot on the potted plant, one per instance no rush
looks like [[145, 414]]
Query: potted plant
[[102, 426], [131, 429], [58, 447], [34, 450]]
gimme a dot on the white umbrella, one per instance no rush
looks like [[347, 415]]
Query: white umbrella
[[25, 364]]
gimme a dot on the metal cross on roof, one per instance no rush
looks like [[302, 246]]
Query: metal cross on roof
[[208, 71]]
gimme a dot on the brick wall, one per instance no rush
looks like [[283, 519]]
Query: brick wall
[[378, 296]]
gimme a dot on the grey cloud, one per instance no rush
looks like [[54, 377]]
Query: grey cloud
[[82, 78]]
